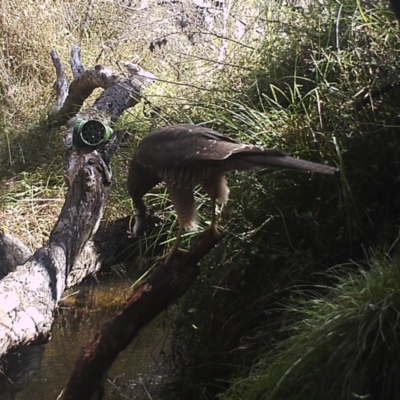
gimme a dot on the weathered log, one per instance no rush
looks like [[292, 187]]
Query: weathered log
[[165, 285], [29, 295]]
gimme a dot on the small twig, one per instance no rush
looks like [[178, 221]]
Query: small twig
[[70, 295]]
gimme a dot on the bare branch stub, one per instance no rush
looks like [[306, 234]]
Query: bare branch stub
[[164, 286], [75, 62], [61, 85], [85, 81]]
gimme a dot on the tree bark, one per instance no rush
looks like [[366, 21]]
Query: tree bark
[[30, 293]]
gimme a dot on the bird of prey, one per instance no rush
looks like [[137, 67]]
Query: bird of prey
[[184, 156]]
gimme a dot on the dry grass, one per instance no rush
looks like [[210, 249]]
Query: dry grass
[[110, 33]]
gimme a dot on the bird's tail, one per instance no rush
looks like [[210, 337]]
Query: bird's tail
[[287, 162]]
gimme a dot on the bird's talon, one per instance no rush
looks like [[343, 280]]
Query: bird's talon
[[217, 231], [131, 234]]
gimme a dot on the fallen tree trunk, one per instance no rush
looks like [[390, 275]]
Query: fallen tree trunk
[[165, 285], [29, 295]]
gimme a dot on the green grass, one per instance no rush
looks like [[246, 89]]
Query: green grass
[[344, 344]]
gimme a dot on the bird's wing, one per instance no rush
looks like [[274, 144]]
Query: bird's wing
[[186, 144]]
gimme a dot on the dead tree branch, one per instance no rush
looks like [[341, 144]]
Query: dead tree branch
[[71, 97], [29, 295], [165, 285]]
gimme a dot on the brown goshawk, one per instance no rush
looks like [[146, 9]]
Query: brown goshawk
[[184, 156]]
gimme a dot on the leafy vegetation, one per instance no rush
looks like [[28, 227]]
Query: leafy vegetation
[[300, 79]]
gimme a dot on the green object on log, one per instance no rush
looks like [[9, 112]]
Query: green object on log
[[90, 133]]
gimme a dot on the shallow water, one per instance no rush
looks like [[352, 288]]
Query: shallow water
[[136, 374]]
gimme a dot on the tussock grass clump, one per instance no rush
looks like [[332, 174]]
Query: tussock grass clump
[[345, 344]]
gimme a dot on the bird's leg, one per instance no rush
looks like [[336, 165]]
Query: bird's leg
[[213, 225], [183, 200], [137, 231], [139, 226], [217, 188], [175, 246], [140, 181]]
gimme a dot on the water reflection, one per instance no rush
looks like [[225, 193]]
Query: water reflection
[[136, 374]]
